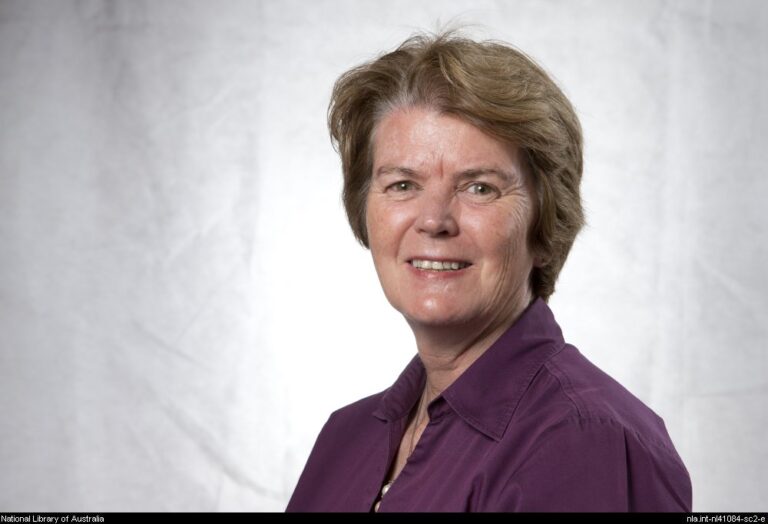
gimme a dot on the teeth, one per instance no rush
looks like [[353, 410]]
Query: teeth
[[434, 265]]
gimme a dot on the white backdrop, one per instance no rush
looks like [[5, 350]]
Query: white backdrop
[[182, 304]]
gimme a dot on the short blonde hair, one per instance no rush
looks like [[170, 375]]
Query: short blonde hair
[[490, 85]]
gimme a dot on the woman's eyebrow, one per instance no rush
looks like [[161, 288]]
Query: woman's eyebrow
[[473, 173], [476, 173], [386, 170]]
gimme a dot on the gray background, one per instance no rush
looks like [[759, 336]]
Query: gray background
[[182, 303]]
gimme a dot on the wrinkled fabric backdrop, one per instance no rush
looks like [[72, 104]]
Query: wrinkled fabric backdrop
[[182, 303]]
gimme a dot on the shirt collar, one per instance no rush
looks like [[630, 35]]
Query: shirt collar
[[487, 393]]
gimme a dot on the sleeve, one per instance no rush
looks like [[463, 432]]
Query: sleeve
[[597, 466]]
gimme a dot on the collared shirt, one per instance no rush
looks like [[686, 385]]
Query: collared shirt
[[531, 425]]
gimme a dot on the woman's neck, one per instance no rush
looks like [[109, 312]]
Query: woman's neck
[[445, 362], [447, 352]]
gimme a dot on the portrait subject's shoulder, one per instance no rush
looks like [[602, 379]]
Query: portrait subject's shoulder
[[596, 396], [348, 438], [606, 449]]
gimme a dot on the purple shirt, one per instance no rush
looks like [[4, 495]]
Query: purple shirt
[[531, 425]]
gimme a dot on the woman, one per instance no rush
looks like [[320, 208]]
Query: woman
[[462, 162]]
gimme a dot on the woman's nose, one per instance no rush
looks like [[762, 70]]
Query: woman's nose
[[436, 214]]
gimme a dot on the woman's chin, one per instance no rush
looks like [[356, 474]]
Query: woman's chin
[[436, 316]]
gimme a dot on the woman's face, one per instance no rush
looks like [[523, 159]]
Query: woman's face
[[447, 215]]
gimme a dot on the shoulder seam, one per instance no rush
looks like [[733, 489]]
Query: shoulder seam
[[565, 385], [670, 453]]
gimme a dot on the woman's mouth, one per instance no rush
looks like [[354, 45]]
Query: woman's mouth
[[438, 265]]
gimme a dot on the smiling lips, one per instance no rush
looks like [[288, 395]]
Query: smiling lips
[[438, 265]]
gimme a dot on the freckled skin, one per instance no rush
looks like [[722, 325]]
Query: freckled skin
[[422, 204], [442, 189]]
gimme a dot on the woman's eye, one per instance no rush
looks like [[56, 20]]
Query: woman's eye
[[478, 188], [401, 186]]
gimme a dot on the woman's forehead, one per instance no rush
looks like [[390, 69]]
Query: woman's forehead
[[419, 139]]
